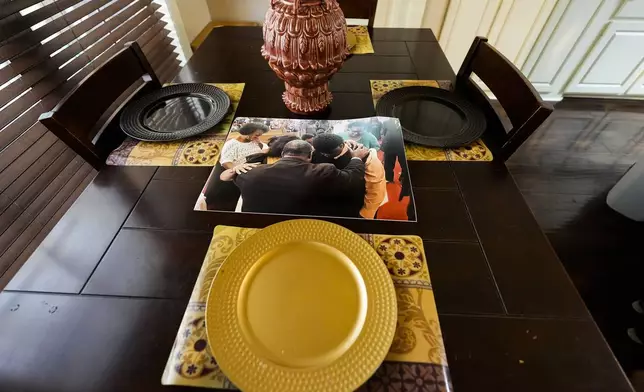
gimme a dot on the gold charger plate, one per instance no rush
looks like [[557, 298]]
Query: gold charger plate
[[352, 41], [302, 305]]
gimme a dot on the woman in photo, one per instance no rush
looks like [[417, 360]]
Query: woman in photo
[[220, 195], [247, 143]]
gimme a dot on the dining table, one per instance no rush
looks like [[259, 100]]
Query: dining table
[[98, 304]]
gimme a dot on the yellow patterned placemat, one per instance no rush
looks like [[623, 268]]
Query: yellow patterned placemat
[[363, 41], [476, 151], [201, 150], [417, 354]]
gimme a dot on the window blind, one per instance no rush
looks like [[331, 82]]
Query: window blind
[[46, 48]]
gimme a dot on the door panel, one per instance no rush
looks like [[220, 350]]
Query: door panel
[[614, 62], [637, 89], [632, 9], [566, 38]]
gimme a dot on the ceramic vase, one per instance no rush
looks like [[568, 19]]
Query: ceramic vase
[[305, 43]]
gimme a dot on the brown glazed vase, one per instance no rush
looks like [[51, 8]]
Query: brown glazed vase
[[305, 43]]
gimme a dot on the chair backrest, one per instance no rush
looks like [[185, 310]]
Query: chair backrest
[[521, 102], [84, 116], [359, 9]]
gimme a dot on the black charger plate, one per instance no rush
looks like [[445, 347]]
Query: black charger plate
[[432, 116], [175, 112]]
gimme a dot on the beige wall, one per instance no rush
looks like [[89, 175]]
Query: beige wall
[[195, 15], [411, 14], [238, 10]]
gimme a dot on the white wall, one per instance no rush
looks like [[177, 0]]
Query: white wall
[[512, 26], [195, 15], [238, 10], [172, 16], [390, 13], [411, 14]]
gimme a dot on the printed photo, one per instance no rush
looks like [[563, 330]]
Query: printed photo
[[314, 168]]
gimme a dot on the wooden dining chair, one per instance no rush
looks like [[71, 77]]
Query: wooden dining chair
[[359, 9], [521, 102], [86, 119]]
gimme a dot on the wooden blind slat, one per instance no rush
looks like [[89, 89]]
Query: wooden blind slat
[[42, 53], [23, 190], [169, 75], [115, 21], [26, 40], [35, 55], [153, 20], [18, 106], [53, 198], [6, 73], [164, 48], [19, 126], [49, 66], [18, 225], [48, 84], [10, 7], [160, 55], [144, 38], [38, 185], [17, 23], [117, 35], [169, 70], [34, 234], [155, 44], [11, 154], [122, 35], [39, 175], [40, 72], [12, 188], [158, 37]]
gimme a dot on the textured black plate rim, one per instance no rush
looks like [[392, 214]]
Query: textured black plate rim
[[131, 119], [474, 120]]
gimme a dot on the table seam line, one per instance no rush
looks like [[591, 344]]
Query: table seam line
[[118, 232], [487, 261]]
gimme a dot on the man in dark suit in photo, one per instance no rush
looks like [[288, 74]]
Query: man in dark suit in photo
[[294, 185]]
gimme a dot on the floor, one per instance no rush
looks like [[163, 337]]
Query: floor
[[565, 171]]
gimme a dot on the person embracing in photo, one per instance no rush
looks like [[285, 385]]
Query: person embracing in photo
[[331, 148], [358, 131], [294, 185]]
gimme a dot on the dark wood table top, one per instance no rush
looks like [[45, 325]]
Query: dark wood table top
[[97, 306]]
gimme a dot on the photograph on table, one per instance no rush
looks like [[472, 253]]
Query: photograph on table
[[317, 168]]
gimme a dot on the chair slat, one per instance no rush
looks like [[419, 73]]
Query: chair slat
[[520, 101]]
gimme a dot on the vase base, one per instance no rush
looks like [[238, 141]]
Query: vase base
[[307, 101]]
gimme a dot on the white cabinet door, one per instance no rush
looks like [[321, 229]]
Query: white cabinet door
[[637, 89], [616, 60], [565, 40]]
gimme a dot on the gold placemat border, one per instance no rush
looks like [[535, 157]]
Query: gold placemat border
[[201, 150], [418, 343]]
